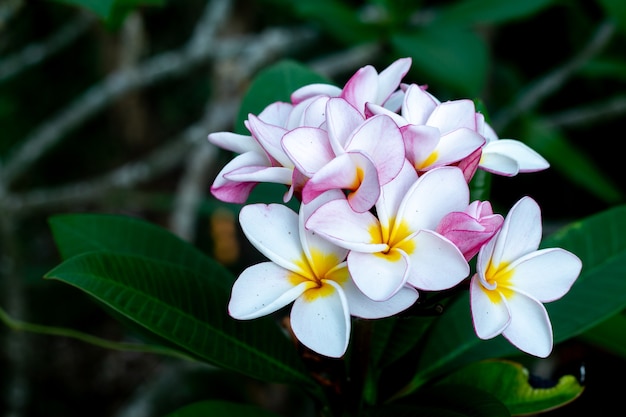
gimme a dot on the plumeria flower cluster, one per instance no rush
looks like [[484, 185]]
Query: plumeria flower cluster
[[381, 171]]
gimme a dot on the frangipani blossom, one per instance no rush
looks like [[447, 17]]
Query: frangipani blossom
[[508, 157], [365, 86], [308, 271], [399, 246], [351, 153], [434, 133], [471, 229], [513, 278]]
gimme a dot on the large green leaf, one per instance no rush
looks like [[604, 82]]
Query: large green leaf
[[186, 308], [451, 56], [471, 12], [509, 382], [274, 83], [610, 335], [598, 294], [75, 234], [221, 408], [444, 401]]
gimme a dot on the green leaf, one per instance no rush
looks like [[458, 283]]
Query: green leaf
[[112, 12], [449, 55], [616, 11], [571, 162], [340, 21], [610, 335], [221, 408], [274, 83], [444, 401], [188, 309], [75, 234], [598, 294], [471, 12], [509, 382]]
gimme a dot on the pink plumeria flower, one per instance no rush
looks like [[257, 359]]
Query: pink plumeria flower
[[514, 278], [349, 153], [469, 230], [261, 157], [508, 157], [365, 86], [310, 272], [400, 246], [435, 134]]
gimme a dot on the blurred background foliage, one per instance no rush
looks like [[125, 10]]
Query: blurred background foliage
[[105, 106]]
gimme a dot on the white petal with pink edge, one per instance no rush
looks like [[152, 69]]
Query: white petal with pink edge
[[530, 329], [490, 313], [337, 222], [436, 263], [273, 230], [379, 275], [262, 289], [546, 274], [320, 319], [434, 194]]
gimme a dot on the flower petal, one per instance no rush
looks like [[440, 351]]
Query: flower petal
[[273, 230], [316, 89], [337, 222], [262, 289], [546, 274], [527, 159], [520, 233], [498, 164], [388, 153], [364, 307], [434, 194], [436, 263], [379, 275], [389, 79], [308, 148], [320, 319], [341, 120], [234, 142], [418, 105], [490, 312], [452, 115], [529, 329]]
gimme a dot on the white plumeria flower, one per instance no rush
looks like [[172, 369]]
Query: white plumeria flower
[[308, 271], [513, 279], [508, 157], [399, 246], [365, 86], [434, 133], [351, 153]]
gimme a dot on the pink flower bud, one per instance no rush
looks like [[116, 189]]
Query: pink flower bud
[[471, 229]]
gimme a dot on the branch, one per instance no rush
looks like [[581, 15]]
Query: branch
[[555, 79], [36, 53], [592, 113], [128, 175]]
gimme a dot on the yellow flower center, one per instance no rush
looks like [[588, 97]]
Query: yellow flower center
[[322, 267], [499, 278]]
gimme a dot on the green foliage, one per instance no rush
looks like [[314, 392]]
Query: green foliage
[[221, 408], [509, 382], [165, 285], [275, 83]]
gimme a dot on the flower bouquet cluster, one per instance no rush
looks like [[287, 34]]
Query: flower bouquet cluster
[[382, 170], [389, 277]]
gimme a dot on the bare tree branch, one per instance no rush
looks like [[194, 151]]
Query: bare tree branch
[[589, 114], [554, 80], [35, 53]]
